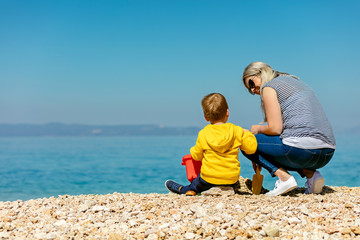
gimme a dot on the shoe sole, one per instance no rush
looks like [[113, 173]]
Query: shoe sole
[[290, 189], [318, 185], [166, 186]]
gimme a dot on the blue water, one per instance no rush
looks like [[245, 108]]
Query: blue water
[[50, 166]]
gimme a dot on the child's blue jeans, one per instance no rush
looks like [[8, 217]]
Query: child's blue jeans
[[272, 154], [199, 185]]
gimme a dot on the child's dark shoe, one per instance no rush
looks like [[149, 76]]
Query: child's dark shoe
[[173, 186]]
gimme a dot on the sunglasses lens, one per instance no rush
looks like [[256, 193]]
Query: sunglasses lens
[[251, 83], [251, 86]]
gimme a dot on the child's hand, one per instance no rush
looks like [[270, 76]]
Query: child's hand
[[246, 130], [256, 166]]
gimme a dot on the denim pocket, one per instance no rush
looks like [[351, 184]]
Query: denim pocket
[[327, 159], [321, 160], [300, 158]]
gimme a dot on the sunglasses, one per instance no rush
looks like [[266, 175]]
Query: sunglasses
[[251, 86]]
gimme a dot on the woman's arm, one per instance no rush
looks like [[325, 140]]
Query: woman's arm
[[272, 112]]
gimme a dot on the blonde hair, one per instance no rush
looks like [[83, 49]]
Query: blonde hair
[[214, 106], [264, 71], [266, 74]]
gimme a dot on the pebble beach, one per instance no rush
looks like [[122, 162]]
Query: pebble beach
[[216, 214]]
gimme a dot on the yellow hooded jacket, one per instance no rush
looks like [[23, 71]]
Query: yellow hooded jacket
[[217, 146]]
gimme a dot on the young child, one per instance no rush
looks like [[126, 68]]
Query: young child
[[217, 146]]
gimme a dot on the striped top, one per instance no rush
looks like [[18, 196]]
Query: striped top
[[305, 124]]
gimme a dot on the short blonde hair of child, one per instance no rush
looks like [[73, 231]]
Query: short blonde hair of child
[[214, 106]]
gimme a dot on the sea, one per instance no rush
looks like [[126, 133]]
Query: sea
[[42, 167]]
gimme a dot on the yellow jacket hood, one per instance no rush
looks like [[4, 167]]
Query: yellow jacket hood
[[220, 138]]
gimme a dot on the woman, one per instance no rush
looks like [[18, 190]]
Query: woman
[[297, 136]]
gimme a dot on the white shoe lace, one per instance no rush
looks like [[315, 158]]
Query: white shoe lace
[[277, 183]]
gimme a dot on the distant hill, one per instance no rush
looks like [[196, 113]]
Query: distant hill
[[60, 129]]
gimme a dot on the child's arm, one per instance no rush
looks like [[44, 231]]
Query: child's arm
[[197, 151], [249, 143]]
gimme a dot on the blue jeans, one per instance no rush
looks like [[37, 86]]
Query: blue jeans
[[272, 154], [199, 185]]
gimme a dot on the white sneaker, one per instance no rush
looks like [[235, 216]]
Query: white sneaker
[[283, 187], [315, 183]]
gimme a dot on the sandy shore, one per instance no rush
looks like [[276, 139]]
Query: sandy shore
[[218, 214]]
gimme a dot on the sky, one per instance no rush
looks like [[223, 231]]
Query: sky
[[151, 62]]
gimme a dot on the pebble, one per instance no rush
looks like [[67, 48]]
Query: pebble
[[304, 209], [218, 214], [294, 220], [272, 231]]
